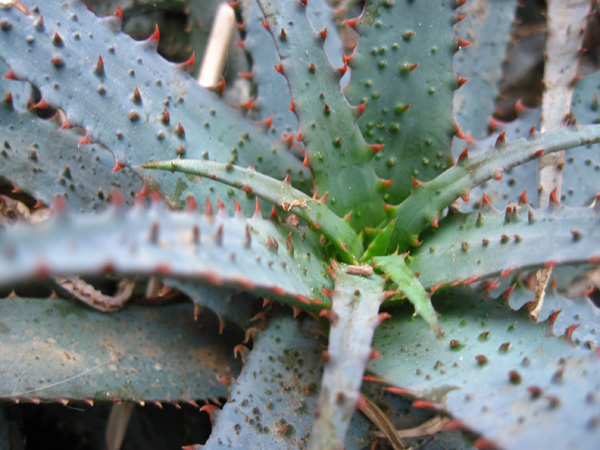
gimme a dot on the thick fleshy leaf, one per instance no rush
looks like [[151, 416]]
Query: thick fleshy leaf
[[409, 285], [336, 151], [402, 69], [354, 317], [165, 113], [428, 199], [496, 372], [56, 349], [257, 255], [282, 194], [272, 403], [44, 161], [581, 172], [467, 247], [486, 26]]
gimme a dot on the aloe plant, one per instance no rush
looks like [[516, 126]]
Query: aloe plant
[[359, 185]]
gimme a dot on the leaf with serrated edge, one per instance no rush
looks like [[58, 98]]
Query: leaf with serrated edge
[[462, 248], [56, 349], [496, 372], [248, 254], [277, 392], [354, 317]]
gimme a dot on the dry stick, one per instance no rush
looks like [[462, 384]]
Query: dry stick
[[215, 55], [566, 27], [117, 425]]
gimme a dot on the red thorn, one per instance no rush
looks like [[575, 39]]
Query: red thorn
[[166, 117], [85, 140], [210, 410], [42, 104], [352, 22], [287, 179], [305, 163], [382, 317], [238, 208], [463, 43], [219, 88], [506, 294], [268, 122], [523, 198], [330, 315], [399, 391], [361, 403], [144, 191], [455, 425], [484, 444], [226, 380], [342, 70], [273, 215], [425, 404], [495, 123], [323, 34], [329, 271], [361, 109], [462, 80], [292, 107], [220, 206], [257, 210], [8, 99], [208, 209], [386, 183], [466, 196], [501, 139], [265, 24], [155, 37], [459, 3], [59, 204], [346, 59], [249, 105], [189, 64], [506, 272], [532, 130], [304, 2], [246, 75], [10, 75], [553, 316], [191, 203], [327, 292], [460, 18], [416, 183], [497, 175], [375, 147], [569, 332], [388, 294], [553, 198], [66, 125], [463, 156], [459, 133], [119, 13], [279, 68], [539, 153]]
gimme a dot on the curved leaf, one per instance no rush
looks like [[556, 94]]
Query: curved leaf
[[496, 372], [468, 247], [249, 254]]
